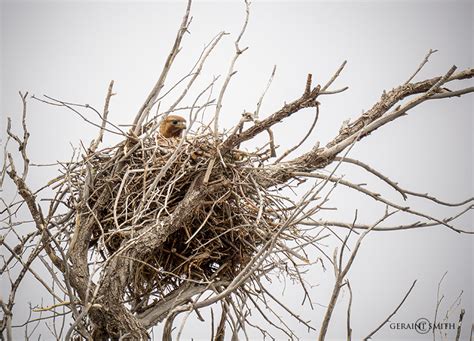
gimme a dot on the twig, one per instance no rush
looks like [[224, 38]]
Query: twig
[[231, 72], [438, 302], [375, 172], [392, 314], [146, 107], [286, 153], [196, 73], [98, 140], [348, 324], [425, 60], [260, 101], [334, 77], [340, 275], [459, 327]]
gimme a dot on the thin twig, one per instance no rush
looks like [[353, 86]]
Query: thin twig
[[392, 314]]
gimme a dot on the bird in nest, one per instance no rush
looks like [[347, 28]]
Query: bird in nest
[[172, 126]]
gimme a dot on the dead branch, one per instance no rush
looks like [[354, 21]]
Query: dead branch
[[153, 229], [146, 107], [392, 314], [231, 72]]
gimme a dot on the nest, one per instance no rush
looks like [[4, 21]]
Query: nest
[[143, 183]]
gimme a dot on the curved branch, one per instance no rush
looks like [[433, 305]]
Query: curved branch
[[368, 122], [146, 107]]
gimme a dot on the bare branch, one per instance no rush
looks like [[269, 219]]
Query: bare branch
[[146, 107], [231, 72], [105, 114], [151, 227], [427, 57], [392, 314], [340, 275], [285, 154], [458, 329]]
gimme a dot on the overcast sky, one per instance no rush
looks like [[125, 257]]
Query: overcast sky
[[71, 50]]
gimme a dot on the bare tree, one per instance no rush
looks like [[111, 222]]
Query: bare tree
[[140, 232]]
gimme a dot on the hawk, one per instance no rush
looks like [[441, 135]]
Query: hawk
[[172, 126]]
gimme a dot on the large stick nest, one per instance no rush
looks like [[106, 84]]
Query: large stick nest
[[144, 181]]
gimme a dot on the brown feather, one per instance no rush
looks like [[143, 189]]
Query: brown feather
[[172, 126]]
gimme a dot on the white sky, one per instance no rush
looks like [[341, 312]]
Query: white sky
[[72, 50]]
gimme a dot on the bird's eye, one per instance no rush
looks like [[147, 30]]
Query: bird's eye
[[175, 122]]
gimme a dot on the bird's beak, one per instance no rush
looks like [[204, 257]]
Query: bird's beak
[[182, 125]]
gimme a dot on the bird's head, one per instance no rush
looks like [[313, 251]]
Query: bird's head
[[172, 126]]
